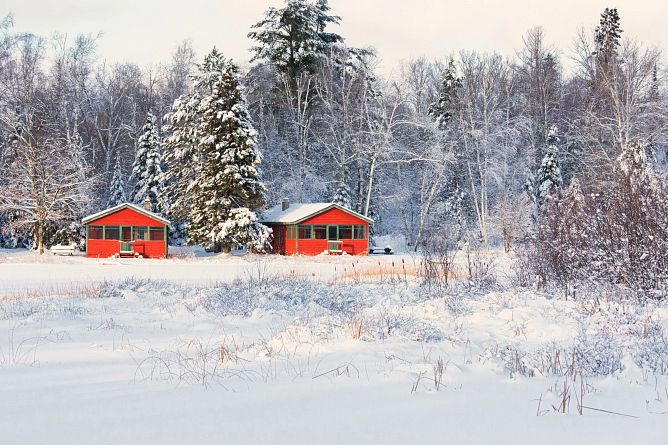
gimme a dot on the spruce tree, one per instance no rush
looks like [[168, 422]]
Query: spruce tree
[[607, 36], [294, 37], [147, 169], [214, 166], [443, 109], [632, 162], [116, 188], [342, 195], [548, 180]]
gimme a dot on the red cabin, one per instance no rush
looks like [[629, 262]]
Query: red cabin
[[312, 229], [126, 230]]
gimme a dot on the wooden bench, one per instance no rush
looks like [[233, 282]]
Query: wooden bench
[[130, 249], [381, 250], [60, 249], [334, 247]]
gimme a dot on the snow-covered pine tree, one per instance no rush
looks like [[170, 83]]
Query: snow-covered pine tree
[[147, 170], [548, 180], [442, 110], [213, 164], [342, 195], [294, 37], [607, 36], [117, 186], [229, 178], [181, 154], [241, 228], [632, 162]]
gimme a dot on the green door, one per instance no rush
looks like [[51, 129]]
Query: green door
[[126, 247], [333, 235]]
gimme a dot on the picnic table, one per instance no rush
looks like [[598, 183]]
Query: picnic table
[[387, 250]]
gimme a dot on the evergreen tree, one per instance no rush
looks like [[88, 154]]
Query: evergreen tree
[[181, 154], [218, 187], [294, 37], [180, 158], [607, 36], [147, 169], [241, 228], [442, 110], [342, 195], [654, 86], [117, 188], [548, 181], [632, 162], [549, 174]]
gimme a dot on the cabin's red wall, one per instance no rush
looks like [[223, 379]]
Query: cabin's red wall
[[126, 217], [334, 216], [317, 246], [108, 248]]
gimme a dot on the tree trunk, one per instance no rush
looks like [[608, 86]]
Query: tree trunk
[[40, 237]]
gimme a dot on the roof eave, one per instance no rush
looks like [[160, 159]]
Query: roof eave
[[332, 206], [91, 218]]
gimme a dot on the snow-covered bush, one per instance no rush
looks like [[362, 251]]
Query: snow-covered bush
[[242, 229], [437, 265], [480, 267], [597, 354], [651, 349], [617, 234]]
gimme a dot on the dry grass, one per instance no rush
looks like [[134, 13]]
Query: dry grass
[[356, 326], [81, 291], [377, 270], [387, 271]]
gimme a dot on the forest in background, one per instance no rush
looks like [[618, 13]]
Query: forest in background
[[472, 147]]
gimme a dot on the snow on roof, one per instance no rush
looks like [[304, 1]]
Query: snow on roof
[[298, 212], [124, 205]]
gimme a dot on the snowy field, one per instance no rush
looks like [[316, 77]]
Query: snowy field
[[265, 349]]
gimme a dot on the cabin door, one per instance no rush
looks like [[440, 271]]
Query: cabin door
[[333, 238]]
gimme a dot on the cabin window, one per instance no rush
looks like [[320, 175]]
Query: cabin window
[[126, 233], [360, 232], [305, 232], [333, 233], [141, 233], [157, 233], [112, 232], [320, 232], [95, 232], [345, 232]]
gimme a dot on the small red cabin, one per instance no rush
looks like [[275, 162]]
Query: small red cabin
[[126, 230], [312, 229]]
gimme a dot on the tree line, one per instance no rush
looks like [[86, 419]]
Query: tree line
[[476, 145]]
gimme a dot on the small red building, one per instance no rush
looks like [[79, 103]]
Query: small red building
[[312, 229], [126, 230]]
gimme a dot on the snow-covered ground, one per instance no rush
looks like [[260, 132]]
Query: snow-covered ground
[[219, 349], [23, 271]]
